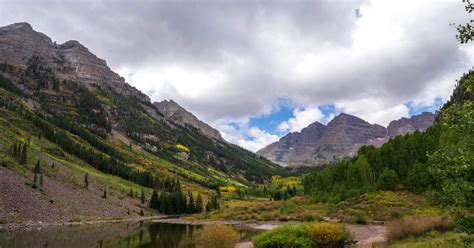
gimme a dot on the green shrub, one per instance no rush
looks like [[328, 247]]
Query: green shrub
[[287, 207], [359, 217], [464, 222], [307, 235], [284, 237], [468, 241], [328, 235]]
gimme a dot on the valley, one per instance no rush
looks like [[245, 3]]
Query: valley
[[87, 160]]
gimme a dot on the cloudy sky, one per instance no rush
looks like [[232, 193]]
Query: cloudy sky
[[257, 70]]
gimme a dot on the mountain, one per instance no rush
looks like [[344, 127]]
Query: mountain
[[409, 125], [63, 108], [341, 138], [67, 81], [180, 116]]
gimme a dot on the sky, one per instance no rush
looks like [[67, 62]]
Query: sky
[[256, 70]]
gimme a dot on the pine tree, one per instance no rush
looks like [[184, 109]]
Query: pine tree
[[105, 194], [154, 201], [199, 203], [218, 191], [86, 180], [36, 171], [162, 203], [191, 206], [215, 202], [142, 197], [24, 154], [294, 190]]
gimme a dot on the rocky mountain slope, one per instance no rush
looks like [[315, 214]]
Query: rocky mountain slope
[[180, 116], [341, 138], [69, 112], [72, 115]]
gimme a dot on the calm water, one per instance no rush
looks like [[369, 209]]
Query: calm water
[[127, 235]]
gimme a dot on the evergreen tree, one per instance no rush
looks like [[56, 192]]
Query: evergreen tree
[[141, 212], [216, 203], [36, 171], [105, 193], [86, 180], [199, 203], [294, 190], [154, 201], [24, 154], [142, 197], [388, 180], [162, 203], [191, 204], [218, 191]]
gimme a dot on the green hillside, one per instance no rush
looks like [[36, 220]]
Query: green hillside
[[47, 121]]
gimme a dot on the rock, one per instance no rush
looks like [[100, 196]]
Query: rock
[[409, 125], [178, 115], [70, 60]]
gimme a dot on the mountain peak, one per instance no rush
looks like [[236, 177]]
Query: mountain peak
[[409, 125], [72, 44], [344, 118], [20, 26], [71, 60], [180, 116]]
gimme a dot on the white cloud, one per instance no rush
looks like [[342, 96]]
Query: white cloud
[[227, 62], [301, 119], [250, 138], [374, 110]]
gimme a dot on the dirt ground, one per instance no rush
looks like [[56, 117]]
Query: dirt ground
[[58, 200]]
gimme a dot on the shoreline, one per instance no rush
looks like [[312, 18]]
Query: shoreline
[[365, 235], [170, 219]]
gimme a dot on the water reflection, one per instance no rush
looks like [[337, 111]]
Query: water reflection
[[115, 235]]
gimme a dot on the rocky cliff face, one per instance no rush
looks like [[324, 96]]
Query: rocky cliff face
[[341, 138], [409, 125], [71, 60], [293, 146], [180, 116]]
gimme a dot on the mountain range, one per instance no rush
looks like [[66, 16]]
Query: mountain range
[[319, 144]]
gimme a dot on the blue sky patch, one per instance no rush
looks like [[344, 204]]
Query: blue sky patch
[[417, 109]]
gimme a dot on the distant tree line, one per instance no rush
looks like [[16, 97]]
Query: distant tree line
[[398, 163], [284, 194], [177, 202]]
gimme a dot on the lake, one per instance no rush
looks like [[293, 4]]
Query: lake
[[111, 235]]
